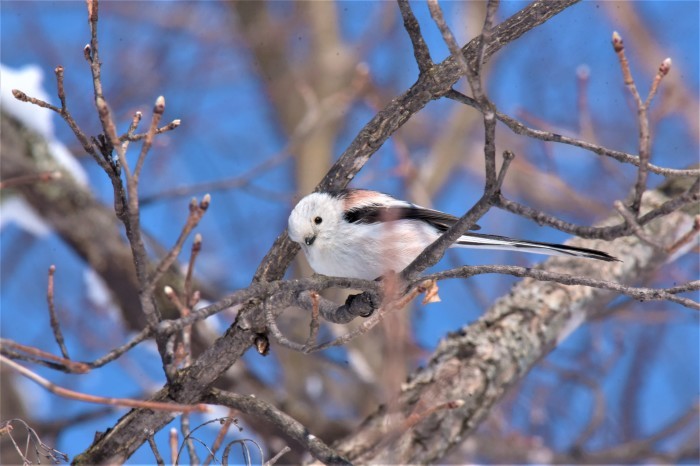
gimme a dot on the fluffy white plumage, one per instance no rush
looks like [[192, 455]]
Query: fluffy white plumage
[[359, 233]]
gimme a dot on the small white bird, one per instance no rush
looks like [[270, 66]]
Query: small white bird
[[357, 233]]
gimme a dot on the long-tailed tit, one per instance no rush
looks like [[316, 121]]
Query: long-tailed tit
[[358, 233]]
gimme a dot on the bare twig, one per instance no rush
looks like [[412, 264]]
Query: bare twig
[[196, 248], [433, 253], [68, 118], [256, 407], [314, 325], [485, 38], [19, 95], [644, 136], [244, 446], [632, 223], [158, 109], [619, 48], [126, 138], [277, 334], [420, 49], [187, 330], [125, 402], [131, 137], [92, 55], [110, 132], [447, 36], [55, 326], [642, 294], [692, 195], [687, 238], [585, 120], [186, 349], [187, 440], [690, 286], [143, 335], [92, 50], [55, 362], [132, 218], [519, 128], [173, 446], [60, 89], [154, 449], [175, 299], [664, 68], [508, 157], [197, 211], [226, 423], [40, 448], [473, 73], [64, 363], [30, 179], [642, 107], [276, 458]]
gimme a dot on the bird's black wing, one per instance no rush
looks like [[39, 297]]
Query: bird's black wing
[[382, 213]]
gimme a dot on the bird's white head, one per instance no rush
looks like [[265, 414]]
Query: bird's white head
[[315, 219]]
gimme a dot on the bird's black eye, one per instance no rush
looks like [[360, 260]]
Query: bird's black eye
[[318, 220]]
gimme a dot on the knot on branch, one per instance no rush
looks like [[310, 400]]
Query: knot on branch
[[363, 304]]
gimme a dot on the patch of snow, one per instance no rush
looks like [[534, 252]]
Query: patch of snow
[[18, 211], [29, 80]]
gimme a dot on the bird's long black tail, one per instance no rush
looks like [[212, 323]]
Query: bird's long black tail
[[481, 241]]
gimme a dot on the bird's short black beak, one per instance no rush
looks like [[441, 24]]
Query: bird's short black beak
[[309, 240]]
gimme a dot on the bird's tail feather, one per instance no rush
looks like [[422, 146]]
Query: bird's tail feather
[[481, 241]]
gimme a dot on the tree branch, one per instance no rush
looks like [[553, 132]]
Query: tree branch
[[290, 426]]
